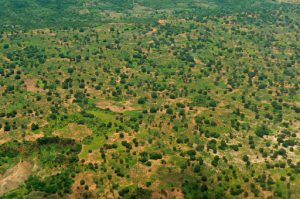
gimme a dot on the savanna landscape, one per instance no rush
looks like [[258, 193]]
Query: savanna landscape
[[149, 99]]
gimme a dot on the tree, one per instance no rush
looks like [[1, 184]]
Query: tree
[[262, 130], [142, 100], [154, 95], [197, 168], [7, 127], [215, 161], [34, 126], [245, 158], [169, 111], [155, 156]]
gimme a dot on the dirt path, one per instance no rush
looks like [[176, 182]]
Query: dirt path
[[14, 177]]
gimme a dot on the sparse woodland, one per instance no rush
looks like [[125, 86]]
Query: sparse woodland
[[149, 99]]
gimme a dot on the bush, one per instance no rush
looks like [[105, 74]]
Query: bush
[[191, 152], [170, 111], [142, 100], [215, 161], [154, 95], [155, 156], [245, 158], [52, 184], [34, 127], [197, 168], [262, 130]]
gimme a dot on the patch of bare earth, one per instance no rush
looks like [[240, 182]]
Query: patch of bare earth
[[45, 31], [74, 131], [163, 21], [141, 173], [78, 189], [33, 137], [179, 100], [114, 138], [153, 30], [289, 1], [84, 11], [14, 177], [176, 193], [31, 86], [4, 137], [93, 157], [58, 59], [114, 106]]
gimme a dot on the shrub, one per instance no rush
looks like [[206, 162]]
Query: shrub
[[262, 130], [155, 156], [34, 127], [142, 100]]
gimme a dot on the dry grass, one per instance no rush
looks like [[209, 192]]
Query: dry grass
[[4, 137], [31, 86], [14, 177], [74, 131], [33, 137], [115, 107], [176, 193], [78, 190]]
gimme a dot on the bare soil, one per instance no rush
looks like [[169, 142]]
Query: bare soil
[[31, 86], [14, 177], [74, 131], [113, 106]]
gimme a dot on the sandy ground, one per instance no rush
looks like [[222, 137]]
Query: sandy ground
[[14, 177]]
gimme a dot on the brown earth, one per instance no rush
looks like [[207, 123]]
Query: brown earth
[[14, 177], [74, 131], [78, 190], [113, 106], [31, 86]]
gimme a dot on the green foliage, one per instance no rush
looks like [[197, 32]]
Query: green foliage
[[155, 156], [59, 183], [168, 95], [262, 130], [135, 192], [34, 127], [204, 101], [142, 100], [9, 149]]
